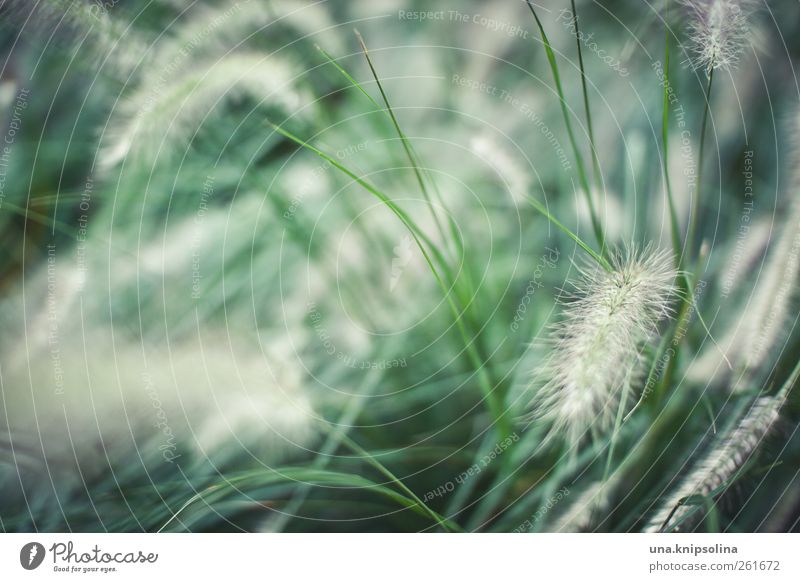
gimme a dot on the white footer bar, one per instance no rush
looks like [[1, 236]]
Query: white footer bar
[[402, 557]]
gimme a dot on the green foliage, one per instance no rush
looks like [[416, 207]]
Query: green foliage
[[245, 200]]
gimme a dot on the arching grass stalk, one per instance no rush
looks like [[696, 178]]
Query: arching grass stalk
[[239, 483], [493, 401], [446, 524], [336, 432], [597, 172], [601, 260], [407, 146], [413, 158], [467, 296], [403, 139], [581, 170]]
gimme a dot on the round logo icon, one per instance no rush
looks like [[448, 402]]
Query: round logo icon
[[31, 555]]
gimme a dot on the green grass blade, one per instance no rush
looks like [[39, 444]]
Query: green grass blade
[[694, 217], [493, 401], [412, 156], [551, 58], [542, 210], [445, 523], [237, 483], [673, 214], [598, 175], [349, 77]]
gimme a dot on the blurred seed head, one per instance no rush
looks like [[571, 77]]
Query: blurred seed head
[[720, 463], [719, 31]]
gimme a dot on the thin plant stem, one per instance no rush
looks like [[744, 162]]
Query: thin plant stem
[[694, 217], [597, 172], [673, 215], [493, 401], [688, 252], [601, 260], [446, 524], [581, 170], [413, 159]]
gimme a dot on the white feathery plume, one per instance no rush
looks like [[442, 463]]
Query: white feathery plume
[[771, 308], [200, 397], [583, 511], [172, 109], [109, 39], [745, 253], [722, 461], [719, 31], [595, 355], [764, 325], [214, 31], [710, 366]]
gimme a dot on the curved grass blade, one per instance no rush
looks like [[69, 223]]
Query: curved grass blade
[[219, 492], [542, 210], [494, 403], [445, 523], [551, 58]]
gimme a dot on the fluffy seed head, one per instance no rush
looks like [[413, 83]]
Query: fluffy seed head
[[595, 353], [718, 32], [167, 111], [752, 340], [580, 516], [721, 462]]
